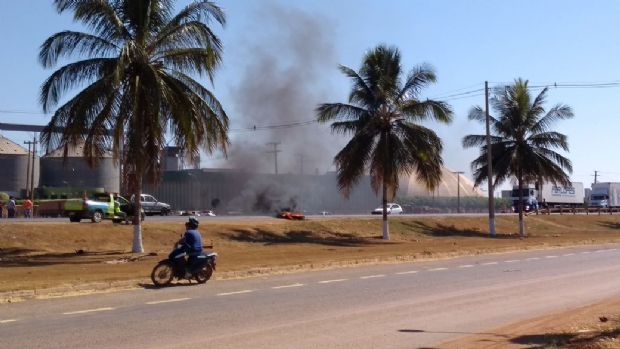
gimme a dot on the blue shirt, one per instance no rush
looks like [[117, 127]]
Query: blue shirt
[[193, 242]]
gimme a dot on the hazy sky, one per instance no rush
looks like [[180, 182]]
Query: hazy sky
[[467, 42]]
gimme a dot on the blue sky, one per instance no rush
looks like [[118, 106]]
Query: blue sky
[[467, 42]]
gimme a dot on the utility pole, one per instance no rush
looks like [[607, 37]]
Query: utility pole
[[489, 163], [301, 163], [275, 152], [595, 176], [28, 170], [34, 152], [458, 190]]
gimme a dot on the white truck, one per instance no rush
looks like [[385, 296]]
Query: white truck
[[550, 194], [571, 195], [606, 194]]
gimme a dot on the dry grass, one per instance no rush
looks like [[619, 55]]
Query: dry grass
[[41, 255]]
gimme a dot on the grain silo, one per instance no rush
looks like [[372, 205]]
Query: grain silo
[[14, 164], [74, 171]]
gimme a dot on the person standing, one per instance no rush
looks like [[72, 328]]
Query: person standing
[[27, 205], [10, 207]]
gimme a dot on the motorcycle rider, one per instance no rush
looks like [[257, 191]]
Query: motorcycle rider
[[190, 246]]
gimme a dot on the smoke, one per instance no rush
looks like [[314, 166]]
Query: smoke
[[290, 58], [269, 195]]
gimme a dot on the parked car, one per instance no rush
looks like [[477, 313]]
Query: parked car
[[392, 208], [152, 206]]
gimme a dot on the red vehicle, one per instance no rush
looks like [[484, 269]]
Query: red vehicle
[[290, 215]]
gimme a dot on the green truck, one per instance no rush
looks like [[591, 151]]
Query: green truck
[[100, 206]]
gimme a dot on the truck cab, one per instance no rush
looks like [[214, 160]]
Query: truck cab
[[530, 203], [599, 200]]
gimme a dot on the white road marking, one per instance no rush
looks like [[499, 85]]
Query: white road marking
[[612, 249], [532, 259], [568, 254], [330, 281], [372, 276], [7, 321], [236, 292], [87, 311], [512, 261], [437, 269], [586, 252], [597, 251], [489, 263], [551, 256], [287, 286], [407, 272], [168, 301], [466, 266]]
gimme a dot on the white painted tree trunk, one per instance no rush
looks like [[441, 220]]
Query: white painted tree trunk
[[137, 238], [521, 226]]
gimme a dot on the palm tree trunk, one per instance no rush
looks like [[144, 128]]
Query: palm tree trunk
[[386, 228], [137, 217], [521, 206]]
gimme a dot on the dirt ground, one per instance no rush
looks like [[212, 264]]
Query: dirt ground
[[596, 326], [36, 256], [42, 255]]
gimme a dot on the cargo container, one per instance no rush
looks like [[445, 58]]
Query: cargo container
[[606, 194]]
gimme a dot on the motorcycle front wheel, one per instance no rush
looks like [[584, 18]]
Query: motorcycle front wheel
[[204, 274], [162, 274]]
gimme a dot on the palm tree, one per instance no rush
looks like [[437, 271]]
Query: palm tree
[[135, 67], [522, 142], [382, 116]]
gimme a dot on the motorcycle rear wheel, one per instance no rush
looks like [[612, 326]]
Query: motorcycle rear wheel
[[204, 274], [162, 274]]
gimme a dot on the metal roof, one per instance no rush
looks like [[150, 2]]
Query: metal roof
[[75, 151], [9, 147]]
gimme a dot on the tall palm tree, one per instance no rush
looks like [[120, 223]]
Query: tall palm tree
[[382, 116], [136, 69], [523, 145]]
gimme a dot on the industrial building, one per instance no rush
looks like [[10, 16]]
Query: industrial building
[[225, 190]]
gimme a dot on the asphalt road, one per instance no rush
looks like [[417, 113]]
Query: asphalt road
[[246, 217], [410, 305]]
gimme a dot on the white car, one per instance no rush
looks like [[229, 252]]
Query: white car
[[391, 209]]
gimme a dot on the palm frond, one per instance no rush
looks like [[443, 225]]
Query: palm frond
[[339, 111], [73, 75], [418, 78], [429, 109], [98, 15], [67, 43]]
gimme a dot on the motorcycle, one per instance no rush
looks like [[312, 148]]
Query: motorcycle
[[166, 270]]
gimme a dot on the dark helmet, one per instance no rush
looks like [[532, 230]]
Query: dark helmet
[[192, 223]]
